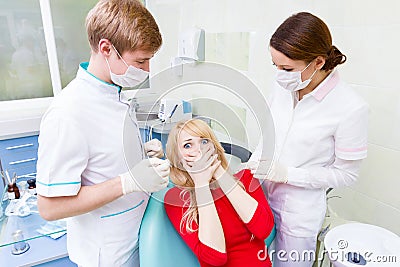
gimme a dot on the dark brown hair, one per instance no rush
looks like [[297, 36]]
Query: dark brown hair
[[304, 36]]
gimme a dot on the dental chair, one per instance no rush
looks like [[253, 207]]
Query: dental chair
[[159, 243]]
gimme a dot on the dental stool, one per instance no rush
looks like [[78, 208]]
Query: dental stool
[[159, 243]]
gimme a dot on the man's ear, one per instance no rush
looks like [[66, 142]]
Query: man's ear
[[105, 47]]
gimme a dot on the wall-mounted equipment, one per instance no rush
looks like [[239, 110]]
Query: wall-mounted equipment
[[191, 48], [173, 110], [191, 44]]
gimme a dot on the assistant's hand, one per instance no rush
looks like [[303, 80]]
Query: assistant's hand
[[153, 148], [278, 173], [267, 170], [149, 175]]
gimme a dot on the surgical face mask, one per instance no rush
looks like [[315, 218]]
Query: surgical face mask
[[291, 80], [132, 76]]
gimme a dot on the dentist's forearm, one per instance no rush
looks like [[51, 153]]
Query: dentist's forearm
[[88, 198], [341, 173]]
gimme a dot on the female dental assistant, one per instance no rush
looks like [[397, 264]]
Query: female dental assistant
[[321, 134]]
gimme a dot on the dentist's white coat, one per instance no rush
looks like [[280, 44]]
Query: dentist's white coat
[[82, 141]]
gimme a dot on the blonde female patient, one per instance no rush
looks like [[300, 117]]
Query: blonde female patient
[[223, 218]]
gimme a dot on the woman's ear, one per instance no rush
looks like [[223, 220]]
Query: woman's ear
[[319, 62]]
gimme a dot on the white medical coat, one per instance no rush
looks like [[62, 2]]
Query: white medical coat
[[82, 140], [321, 139]]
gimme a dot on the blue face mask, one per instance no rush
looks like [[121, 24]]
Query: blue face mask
[[132, 76], [291, 80]]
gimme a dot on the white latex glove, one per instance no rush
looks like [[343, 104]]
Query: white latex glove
[[257, 168], [149, 175], [153, 148], [265, 170], [278, 173]]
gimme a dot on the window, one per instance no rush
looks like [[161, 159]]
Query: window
[[70, 35], [24, 61], [24, 71]]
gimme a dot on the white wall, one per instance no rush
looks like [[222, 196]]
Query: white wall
[[366, 31]]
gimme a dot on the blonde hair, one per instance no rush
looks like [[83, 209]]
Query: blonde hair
[[127, 24], [179, 176]]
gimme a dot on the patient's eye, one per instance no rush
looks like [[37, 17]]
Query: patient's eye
[[204, 141], [187, 145]]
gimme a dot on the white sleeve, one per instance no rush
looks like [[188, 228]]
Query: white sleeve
[[352, 134], [62, 156], [341, 173]]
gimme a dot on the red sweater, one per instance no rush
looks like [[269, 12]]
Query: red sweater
[[243, 241]]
